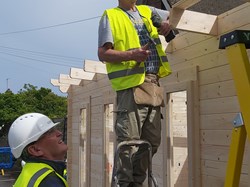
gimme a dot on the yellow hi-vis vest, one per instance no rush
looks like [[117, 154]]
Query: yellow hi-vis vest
[[128, 74], [33, 173]]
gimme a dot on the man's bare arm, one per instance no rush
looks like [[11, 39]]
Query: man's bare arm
[[108, 54]]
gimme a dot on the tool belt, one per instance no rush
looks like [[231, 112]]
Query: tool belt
[[149, 93]]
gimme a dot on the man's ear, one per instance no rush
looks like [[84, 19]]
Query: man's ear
[[34, 150]]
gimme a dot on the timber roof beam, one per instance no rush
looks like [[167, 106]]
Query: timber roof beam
[[62, 87], [64, 82], [193, 21], [184, 4], [77, 73], [65, 79], [95, 67]]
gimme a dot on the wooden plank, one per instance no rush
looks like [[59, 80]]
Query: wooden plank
[[219, 105], [77, 73], [209, 24], [216, 137], [199, 51], [184, 4], [212, 180], [204, 62], [215, 75], [65, 79], [180, 76], [186, 39], [218, 153], [219, 181], [218, 89], [214, 168], [94, 88], [64, 88], [95, 66], [223, 121], [214, 152], [234, 19], [193, 21], [193, 120], [193, 51], [55, 82], [96, 92]]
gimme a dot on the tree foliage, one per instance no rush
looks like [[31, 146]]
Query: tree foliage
[[30, 99]]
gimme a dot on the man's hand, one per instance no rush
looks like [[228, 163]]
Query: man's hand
[[141, 54], [165, 28]]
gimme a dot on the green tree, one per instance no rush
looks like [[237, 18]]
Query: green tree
[[30, 99]]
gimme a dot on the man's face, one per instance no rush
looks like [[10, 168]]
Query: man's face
[[52, 146]]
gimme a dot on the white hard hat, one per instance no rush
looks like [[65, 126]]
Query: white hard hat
[[27, 129]]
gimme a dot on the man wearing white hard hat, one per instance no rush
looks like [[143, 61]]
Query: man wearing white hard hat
[[34, 138]]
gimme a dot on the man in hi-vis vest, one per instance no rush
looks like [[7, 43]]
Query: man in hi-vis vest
[[135, 60], [34, 138]]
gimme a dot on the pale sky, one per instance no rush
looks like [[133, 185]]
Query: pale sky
[[39, 39]]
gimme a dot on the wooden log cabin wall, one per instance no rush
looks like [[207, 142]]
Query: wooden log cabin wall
[[201, 103]]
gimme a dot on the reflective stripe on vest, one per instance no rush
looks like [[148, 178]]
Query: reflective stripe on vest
[[157, 41], [164, 58], [36, 176], [126, 72], [33, 173]]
